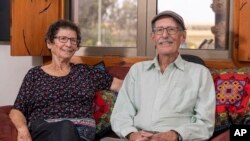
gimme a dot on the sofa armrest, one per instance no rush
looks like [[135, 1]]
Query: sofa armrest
[[8, 131], [5, 109]]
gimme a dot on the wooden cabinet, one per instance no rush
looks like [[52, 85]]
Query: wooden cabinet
[[30, 20], [241, 50]]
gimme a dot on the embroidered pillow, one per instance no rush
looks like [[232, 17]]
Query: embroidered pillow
[[104, 103], [232, 98], [105, 99]]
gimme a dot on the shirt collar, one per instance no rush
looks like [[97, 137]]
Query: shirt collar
[[178, 63]]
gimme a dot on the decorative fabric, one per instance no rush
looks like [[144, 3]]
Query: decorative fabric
[[232, 98], [76, 121], [104, 103], [243, 70]]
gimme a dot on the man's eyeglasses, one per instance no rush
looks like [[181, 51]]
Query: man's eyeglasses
[[64, 39], [170, 30]]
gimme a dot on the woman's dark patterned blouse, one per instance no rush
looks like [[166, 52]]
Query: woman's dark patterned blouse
[[43, 96]]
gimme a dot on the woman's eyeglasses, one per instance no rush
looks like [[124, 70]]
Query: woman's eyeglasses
[[64, 39]]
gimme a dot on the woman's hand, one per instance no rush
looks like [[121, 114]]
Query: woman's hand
[[19, 120], [23, 134]]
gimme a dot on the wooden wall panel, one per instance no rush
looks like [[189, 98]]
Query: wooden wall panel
[[242, 30], [29, 23]]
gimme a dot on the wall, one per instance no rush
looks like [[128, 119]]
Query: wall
[[12, 72]]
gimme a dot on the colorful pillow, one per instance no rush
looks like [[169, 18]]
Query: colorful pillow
[[104, 103], [105, 99], [243, 70], [232, 98]]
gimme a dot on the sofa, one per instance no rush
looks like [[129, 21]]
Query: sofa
[[232, 95]]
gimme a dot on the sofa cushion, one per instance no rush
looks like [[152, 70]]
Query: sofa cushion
[[5, 109], [117, 71], [104, 103], [5, 128], [232, 97]]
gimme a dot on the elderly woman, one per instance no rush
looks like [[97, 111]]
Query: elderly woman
[[54, 102]]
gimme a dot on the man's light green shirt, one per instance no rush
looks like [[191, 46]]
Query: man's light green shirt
[[181, 99]]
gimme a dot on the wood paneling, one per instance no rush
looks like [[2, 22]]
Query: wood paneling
[[244, 30], [29, 23], [241, 34]]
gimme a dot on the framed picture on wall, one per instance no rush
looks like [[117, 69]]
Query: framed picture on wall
[[5, 20]]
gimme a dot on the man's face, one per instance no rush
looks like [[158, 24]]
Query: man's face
[[167, 40]]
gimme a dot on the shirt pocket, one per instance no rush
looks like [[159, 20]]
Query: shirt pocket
[[182, 99]]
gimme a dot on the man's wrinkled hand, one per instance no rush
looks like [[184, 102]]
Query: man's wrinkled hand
[[164, 136], [140, 136]]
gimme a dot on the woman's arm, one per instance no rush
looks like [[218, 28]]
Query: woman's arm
[[116, 84], [20, 123]]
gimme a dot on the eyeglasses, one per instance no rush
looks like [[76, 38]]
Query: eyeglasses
[[64, 39], [170, 30]]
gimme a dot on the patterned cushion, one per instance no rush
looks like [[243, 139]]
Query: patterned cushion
[[104, 103], [232, 97]]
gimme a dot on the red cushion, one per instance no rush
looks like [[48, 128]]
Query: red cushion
[[232, 99], [104, 103]]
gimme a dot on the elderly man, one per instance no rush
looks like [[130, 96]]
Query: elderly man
[[167, 98]]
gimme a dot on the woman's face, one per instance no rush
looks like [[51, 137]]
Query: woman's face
[[65, 44]]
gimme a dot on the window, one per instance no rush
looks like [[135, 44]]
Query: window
[[122, 27], [206, 21], [107, 23], [108, 26], [214, 45]]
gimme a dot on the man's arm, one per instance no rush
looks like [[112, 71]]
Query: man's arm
[[124, 110]]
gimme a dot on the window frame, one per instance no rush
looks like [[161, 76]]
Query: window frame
[[139, 50], [205, 54], [146, 10]]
